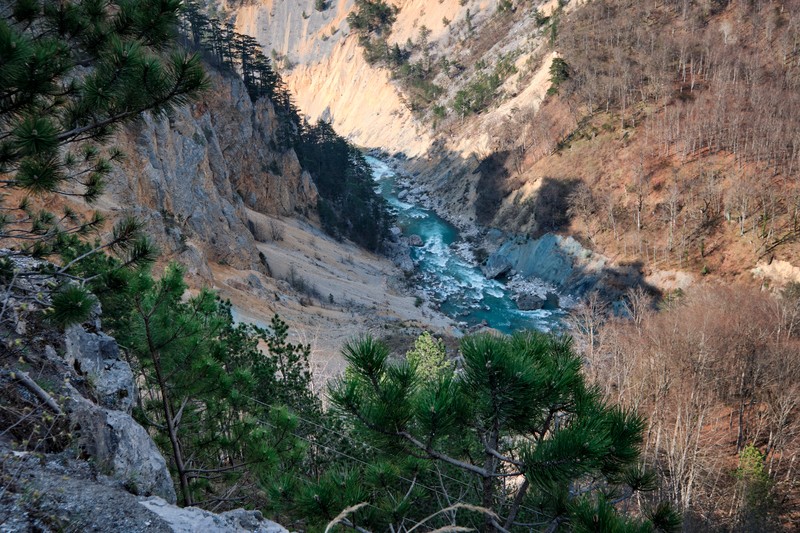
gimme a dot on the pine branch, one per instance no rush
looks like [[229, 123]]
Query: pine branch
[[442, 457]]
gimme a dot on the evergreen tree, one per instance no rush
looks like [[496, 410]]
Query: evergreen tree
[[429, 358], [220, 407], [71, 72], [372, 16], [537, 448], [348, 206]]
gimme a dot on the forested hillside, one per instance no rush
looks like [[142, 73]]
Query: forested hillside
[[636, 163], [676, 124]]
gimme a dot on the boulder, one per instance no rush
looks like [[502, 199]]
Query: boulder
[[96, 355], [530, 302], [552, 301], [400, 254], [405, 263], [415, 240], [496, 265], [120, 447], [191, 519]]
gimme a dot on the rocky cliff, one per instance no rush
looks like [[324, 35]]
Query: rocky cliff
[[191, 177], [72, 458]]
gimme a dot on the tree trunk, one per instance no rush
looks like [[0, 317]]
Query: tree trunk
[[169, 417]]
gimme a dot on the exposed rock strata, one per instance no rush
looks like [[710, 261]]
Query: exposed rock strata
[[191, 176]]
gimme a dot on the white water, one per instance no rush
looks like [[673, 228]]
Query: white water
[[446, 271]]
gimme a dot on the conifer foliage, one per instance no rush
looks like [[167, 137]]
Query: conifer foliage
[[71, 72], [516, 431], [348, 206], [229, 51], [220, 407]]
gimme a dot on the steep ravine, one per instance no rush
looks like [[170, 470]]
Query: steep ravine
[[499, 149], [326, 71], [219, 196]]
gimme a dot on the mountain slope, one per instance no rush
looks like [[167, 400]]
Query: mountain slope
[[669, 139]]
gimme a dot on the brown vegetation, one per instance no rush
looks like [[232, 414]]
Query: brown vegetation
[[714, 372], [682, 118]]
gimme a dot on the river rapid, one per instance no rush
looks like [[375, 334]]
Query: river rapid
[[446, 270]]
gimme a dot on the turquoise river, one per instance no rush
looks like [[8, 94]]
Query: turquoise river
[[447, 274]]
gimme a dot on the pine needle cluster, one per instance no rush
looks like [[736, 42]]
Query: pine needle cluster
[[516, 431], [72, 72]]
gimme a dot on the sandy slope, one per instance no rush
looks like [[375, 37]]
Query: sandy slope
[[366, 290]]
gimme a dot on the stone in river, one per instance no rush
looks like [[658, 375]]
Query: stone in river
[[496, 266], [530, 302], [415, 240], [551, 301]]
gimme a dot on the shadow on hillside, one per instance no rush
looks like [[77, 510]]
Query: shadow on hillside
[[546, 211], [493, 186], [613, 284]]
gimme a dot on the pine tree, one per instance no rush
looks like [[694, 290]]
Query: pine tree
[[71, 72], [535, 444], [220, 407], [429, 358]]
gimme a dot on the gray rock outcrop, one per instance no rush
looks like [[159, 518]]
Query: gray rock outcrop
[[69, 496], [96, 356], [530, 302], [559, 261], [192, 519], [121, 447], [400, 254], [534, 302], [496, 265]]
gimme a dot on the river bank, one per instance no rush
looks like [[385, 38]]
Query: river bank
[[549, 272], [327, 291], [447, 270]]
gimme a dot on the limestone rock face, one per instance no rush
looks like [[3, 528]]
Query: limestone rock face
[[190, 177], [96, 355], [122, 447], [191, 519]]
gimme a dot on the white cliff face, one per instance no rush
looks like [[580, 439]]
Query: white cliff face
[[190, 177], [360, 101], [281, 26], [325, 70], [330, 78]]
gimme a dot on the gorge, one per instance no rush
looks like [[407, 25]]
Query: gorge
[[395, 265]]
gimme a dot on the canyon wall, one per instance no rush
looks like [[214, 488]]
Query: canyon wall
[[191, 176], [326, 71]]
